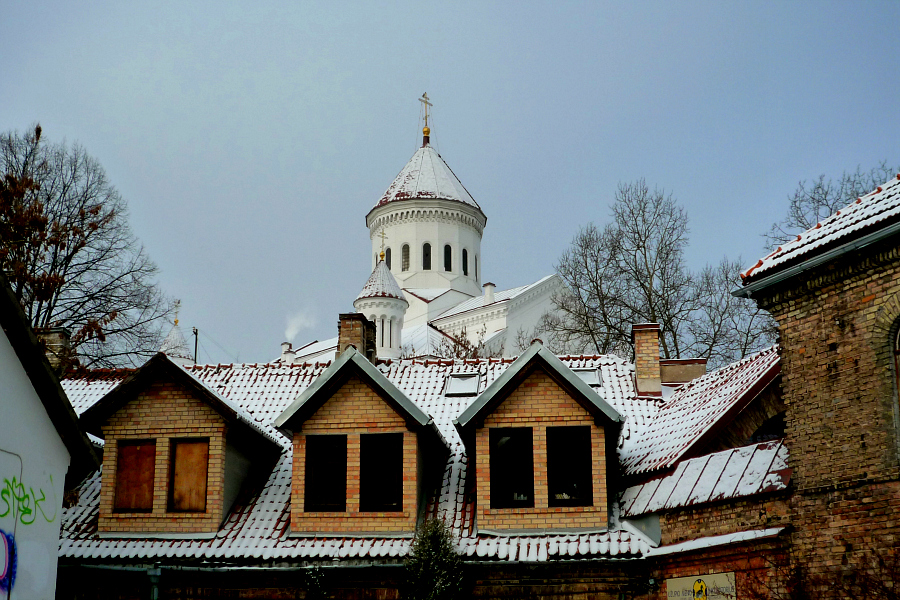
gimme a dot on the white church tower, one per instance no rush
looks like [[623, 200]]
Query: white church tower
[[431, 228]]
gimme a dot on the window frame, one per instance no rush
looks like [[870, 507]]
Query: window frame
[[174, 443], [568, 465], [381, 472], [313, 477], [387, 257], [426, 256], [148, 475], [512, 464], [465, 262], [404, 257], [448, 258]]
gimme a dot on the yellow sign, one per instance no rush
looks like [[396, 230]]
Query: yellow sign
[[718, 586]]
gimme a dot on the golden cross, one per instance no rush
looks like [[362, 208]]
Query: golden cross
[[383, 237], [424, 100], [177, 308]]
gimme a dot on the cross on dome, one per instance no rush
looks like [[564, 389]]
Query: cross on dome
[[426, 132]]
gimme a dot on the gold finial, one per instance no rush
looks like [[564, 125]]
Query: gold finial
[[426, 131], [383, 237], [177, 308]]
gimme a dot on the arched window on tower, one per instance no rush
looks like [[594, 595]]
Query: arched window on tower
[[387, 257], [404, 257], [448, 258], [426, 257], [476, 268], [465, 262]]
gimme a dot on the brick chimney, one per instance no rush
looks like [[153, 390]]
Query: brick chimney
[[57, 347], [354, 329], [645, 337]]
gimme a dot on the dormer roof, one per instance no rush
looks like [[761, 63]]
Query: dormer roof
[[381, 284], [427, 176], [161, 366]]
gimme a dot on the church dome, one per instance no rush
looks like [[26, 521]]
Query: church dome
[[427, 176], [381, 284]]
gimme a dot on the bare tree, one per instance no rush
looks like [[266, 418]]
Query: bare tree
[[815, 200], [633, 271], [76, 264]]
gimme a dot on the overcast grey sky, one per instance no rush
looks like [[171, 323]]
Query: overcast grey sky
[[250, 139]]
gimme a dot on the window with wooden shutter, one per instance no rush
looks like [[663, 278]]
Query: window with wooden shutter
[[187, 475], [135, 469]]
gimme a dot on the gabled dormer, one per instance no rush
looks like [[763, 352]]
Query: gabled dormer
[[361, 452], [176, 453], [544, 448]]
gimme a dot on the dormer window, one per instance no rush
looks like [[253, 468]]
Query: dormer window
[[326, 473], [462, 384], [188, 472], [589, 376], [569, 477]]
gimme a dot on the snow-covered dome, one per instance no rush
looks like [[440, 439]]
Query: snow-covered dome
[[382, 301], [381, 284], [426, 175], [175, 346]]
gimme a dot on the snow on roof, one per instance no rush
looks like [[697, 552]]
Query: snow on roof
[[426, 175], [715, 541], [258, 527], [427, 294], [692, 411], [867, 214], [381, 284], [481, 301], [423, 340], [733, 473], [313, 351]]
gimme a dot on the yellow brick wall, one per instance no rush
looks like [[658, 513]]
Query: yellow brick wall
[[540, 403], [353, 410], [165, 411]]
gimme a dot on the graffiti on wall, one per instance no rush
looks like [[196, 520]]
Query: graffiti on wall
[[25, 503], [7, 561]]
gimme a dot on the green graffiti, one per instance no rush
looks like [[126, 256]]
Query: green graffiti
[[24, 503]]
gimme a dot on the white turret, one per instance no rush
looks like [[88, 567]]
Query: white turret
[[430, 226], [383, 302]]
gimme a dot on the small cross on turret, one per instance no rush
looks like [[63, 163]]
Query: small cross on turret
[[426, 132], [383, 237]]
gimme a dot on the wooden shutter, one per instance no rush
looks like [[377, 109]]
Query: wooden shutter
[[187, 484], [135, 469]]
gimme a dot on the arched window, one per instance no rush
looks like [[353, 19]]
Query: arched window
[[426, 257], [476, 268], [448, 258], [387, 257], [465, 262], [404, 257]]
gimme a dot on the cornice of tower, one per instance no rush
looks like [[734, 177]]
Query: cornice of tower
[[421, 210]]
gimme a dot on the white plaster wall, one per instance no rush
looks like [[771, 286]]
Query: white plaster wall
[[33, 465]]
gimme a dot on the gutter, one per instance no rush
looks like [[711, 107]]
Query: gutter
[[748, 290]]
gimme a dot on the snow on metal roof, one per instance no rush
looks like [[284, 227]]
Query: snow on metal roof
[[423, 340], [258, 527], [692, 411], [733, 473], [381, 284], [715, 541], [868, 213], [427, 294], [481, 301], [426, 175]]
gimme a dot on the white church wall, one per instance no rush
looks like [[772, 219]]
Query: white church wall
[[33, 466]]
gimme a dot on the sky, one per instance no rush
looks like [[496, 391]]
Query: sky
[[250, 139]]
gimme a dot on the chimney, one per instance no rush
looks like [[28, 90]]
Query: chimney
[[645, 337], [488, 292], [57, 347], [287, 353], [354, 329]]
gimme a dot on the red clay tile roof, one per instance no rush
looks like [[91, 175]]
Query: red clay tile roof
[[867, 214]]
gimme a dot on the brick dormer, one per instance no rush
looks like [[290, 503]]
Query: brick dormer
[[176, 453], [544, 446], [360, 449]]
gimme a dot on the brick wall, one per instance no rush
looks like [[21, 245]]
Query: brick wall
[[538, 403], [836, 325], [165, 411], [721, 518], [353, 410]]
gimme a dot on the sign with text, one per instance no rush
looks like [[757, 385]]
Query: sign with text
[[717, 586]]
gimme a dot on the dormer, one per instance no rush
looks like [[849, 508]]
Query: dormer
[[361, 448], [544, 446], [176, 454]]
